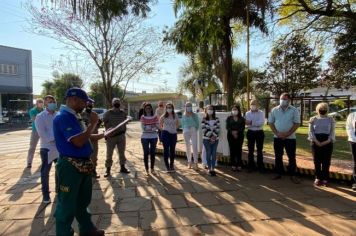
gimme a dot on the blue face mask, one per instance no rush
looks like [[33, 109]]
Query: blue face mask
[[52, 106], [189, 109]]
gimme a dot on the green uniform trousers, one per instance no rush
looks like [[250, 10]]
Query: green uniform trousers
[[119, 142], [74, 196]]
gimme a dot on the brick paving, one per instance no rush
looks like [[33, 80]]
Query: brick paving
[[185, 203]]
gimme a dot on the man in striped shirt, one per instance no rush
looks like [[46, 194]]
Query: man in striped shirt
[[112, 118]]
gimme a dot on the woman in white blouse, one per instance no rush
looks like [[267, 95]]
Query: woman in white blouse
[[322, 137]]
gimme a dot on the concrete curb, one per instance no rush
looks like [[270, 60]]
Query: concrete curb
[[270, 166]]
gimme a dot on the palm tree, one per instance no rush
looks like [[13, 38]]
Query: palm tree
[[208, 22]]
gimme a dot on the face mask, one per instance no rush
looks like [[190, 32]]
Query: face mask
[[169, 110], [253, 107], [322, 112], [52, 106], [210, 112], [189, 109], [283, 103], [117, 105], [234, 112]]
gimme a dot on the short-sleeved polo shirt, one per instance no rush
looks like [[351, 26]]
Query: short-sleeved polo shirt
[[284, 120], [33, 113], [66, 126]]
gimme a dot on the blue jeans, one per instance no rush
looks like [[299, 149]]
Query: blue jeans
[[169, 148], [45, 169], [210, 149], [149, 148]]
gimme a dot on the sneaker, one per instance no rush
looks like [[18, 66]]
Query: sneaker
[[353, 187], [189, 165], [46, 200], [295, 179], [153, 171], [124, 170], [317, 182], [234, 168], [325, 183], [28, 166], [239, 168], [213, 173], [95, 175], [147, 173]]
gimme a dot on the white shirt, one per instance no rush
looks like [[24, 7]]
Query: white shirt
[[257, 118], [44, 126], [350, 127]]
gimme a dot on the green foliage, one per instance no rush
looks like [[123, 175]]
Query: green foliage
[[320, 21], [208, 23], [97, 93], [343, 62], [60, 84], [292, 67], [262, 98], [104, 10], [339, 103]]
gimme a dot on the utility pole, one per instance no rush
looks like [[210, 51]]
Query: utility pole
[[248, 54]]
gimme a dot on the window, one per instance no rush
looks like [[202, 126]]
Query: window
[[8, 69]]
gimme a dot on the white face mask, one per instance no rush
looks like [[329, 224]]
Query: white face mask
[[283, 103], [234, 112], [210, 112], [253, 107], [169, 110]]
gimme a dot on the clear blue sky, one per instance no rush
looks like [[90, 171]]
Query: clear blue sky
[[45, 51]]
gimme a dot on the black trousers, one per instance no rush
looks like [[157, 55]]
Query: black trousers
[[322, 157], [255, 137], [353, 148], [235, 145], [290, 146]]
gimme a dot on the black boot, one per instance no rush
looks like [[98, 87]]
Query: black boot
[[107, 175], [124, 170]]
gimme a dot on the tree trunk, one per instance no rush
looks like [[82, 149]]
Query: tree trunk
[[227, 79]]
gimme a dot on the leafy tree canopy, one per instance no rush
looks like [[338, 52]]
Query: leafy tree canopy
[[60, 84], [293, 66]]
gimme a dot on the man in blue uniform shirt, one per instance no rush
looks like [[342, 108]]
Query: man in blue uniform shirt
[[74, 167]]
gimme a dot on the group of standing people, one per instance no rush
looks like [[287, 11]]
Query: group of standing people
[[284, 120], [70, 138]]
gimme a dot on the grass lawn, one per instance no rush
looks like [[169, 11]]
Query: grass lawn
[[341, 146]]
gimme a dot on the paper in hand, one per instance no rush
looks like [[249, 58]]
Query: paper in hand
[[110, 130]]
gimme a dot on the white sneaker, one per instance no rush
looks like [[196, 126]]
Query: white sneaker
[[189, 165], [46, 201]]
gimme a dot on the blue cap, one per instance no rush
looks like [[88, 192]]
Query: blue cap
[[80, 93]]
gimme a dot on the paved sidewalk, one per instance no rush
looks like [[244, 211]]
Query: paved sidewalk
[[185, 203]]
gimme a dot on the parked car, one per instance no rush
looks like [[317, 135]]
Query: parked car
[[341, 113], [100, 112]]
